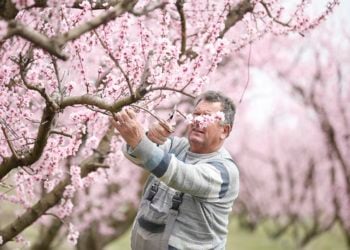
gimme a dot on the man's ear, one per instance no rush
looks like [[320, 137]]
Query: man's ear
[[226, 131]]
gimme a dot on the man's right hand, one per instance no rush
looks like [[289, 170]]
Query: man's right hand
[[159, 132]]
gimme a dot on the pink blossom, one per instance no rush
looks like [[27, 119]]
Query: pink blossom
[[73, 234], [20, 4], [204, 121]]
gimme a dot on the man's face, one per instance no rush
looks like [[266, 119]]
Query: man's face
[[208, 139]]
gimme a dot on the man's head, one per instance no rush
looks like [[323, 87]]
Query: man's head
[[210, 138]]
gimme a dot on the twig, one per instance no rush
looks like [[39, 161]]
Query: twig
[[146, 110], [272, 17], [54, 215], [33, 172], [175, 90], [60, 133], [9, 143], [96, 110], [116, 63], [147, 9], [41, 91], [181, 114], [57, 73], [105, 17], [102, 77], [248, 73]]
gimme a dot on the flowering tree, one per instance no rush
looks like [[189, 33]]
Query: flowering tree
[[295, 167], [66, 67]]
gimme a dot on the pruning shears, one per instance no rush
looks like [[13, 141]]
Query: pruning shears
[[168, 124]]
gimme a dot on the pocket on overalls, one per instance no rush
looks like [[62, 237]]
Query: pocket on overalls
[[149, 227]]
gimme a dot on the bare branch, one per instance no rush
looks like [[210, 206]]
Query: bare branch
[[8, 10], [115, 62], [15, 28], [12, 148], [236, 14], [90, 164], [110, 14], [180, 8], [102, 77], [175, 90], [33, 155], [101, 103], [148, 9], [54, 45], [147, 111], [41, 91], [60, 133], [272, 17]]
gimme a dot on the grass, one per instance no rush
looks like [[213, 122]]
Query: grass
[[239, 239]]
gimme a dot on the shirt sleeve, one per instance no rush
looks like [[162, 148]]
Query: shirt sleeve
[[209, 180]]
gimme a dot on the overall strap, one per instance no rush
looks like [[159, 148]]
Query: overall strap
[[177, 200], [153, 191], [173, 213]]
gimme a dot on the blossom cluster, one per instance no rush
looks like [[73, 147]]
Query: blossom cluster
[[205, 120], [73, 234]]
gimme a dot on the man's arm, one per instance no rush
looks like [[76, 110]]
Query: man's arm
[[209, 180], [130, 129]]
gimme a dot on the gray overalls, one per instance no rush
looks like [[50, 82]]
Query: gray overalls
[[153, 226]]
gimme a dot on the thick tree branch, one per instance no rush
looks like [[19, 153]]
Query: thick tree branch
[[28, 158], [149, 8], [54, 45], [41, 91], [52, 198], [108, 15], [101, 103], [8, 10], [12, 148], [47, 235], [16, 28], [180, 8], [236, 14]]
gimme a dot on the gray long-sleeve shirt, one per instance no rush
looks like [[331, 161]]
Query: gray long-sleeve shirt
[[210, 183]]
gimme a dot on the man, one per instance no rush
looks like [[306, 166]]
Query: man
[[193, 182]]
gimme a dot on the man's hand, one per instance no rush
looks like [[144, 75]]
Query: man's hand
[[159, 132], [129, 128]]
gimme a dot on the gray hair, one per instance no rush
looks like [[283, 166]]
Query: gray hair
[[227, 104]]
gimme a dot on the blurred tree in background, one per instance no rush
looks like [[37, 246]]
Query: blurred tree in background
[[67, 66]]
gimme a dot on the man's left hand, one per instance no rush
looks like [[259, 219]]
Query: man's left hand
[[129, 128]]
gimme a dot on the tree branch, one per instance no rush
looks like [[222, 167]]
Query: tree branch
[[33, 155], [272, 17], [41, 91], [51, 199], [110, 14], [180, 8], [236, 14], [8, 10], [12, 148], [116, 63], [16, 28], [148, 9], [54, 45]]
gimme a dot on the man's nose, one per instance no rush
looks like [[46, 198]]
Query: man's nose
[[195, 124]]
